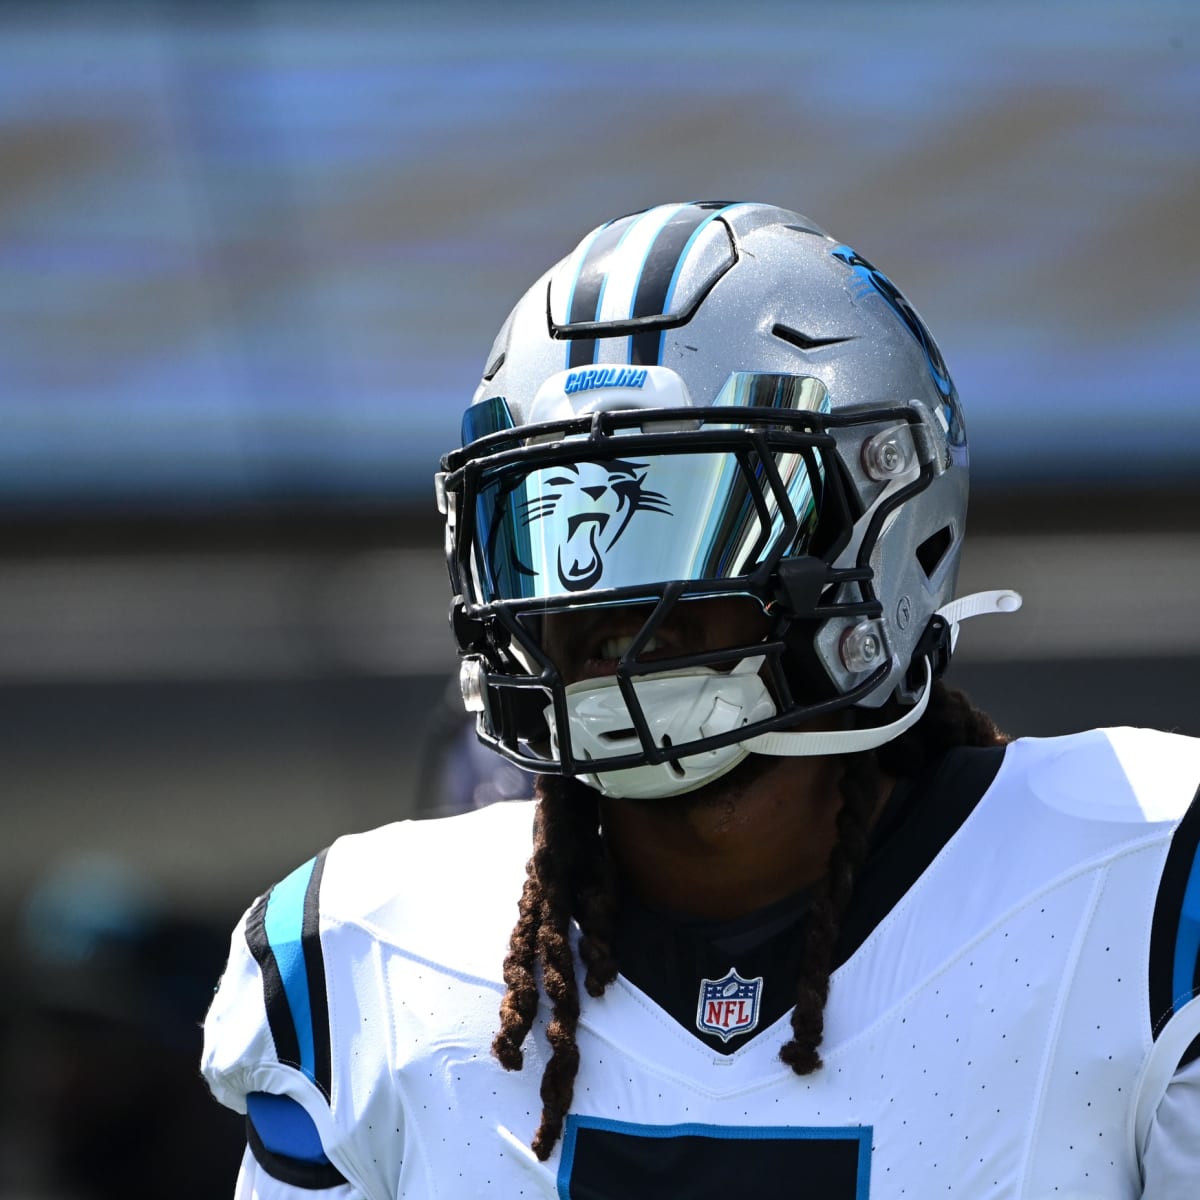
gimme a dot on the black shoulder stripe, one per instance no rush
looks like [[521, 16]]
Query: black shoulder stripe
[[312, 1176], [1174, 963], [279, 1016], [314, 966], [283, 931]]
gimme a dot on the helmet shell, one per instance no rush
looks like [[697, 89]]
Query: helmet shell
[[714, 288]]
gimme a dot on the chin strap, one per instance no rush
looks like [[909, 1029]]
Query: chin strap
[[978, 604], [786, 744]]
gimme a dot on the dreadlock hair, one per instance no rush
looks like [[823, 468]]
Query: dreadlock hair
[[569, 876]]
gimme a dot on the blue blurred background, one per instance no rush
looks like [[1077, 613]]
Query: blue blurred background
[[252, 256], [255, 252]]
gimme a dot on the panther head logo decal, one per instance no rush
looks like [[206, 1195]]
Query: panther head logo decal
[[871, 278], [594, 503]]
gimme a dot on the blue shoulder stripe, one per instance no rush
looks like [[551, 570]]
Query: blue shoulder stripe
[[1175, 934], [283, 933], [1187, 940]]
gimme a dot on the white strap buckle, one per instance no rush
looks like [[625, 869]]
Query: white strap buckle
[[978, 604]]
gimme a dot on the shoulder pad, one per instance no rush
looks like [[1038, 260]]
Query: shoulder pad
[[271, 1005], [1127, 776], [283, 933]]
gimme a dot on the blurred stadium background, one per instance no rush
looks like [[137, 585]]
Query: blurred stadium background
[[252, 256]]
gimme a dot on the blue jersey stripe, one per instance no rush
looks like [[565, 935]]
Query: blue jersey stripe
[[284, 926], [1174, 961], [1187, 940]]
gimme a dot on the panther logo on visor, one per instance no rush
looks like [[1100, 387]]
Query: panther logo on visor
[[593, 503]]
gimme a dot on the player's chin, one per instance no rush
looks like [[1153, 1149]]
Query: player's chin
[[723, 792]]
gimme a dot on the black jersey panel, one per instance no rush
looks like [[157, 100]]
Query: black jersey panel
[[616, 1160]]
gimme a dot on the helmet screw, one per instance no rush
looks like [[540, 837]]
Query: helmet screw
[[887, 454], [862, 646]]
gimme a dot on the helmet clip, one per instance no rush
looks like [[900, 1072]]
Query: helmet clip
[[469, 632], [935, 645], [800, 584]]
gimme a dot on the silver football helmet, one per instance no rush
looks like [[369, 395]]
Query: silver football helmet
[[706, 400]]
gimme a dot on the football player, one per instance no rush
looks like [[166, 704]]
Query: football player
[[791, 917]]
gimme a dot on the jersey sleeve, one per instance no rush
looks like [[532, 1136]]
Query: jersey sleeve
[[268, 1032], [1175, 933], [254, 1182], [1171, 1159], [269, 1021], [1167, 1115]]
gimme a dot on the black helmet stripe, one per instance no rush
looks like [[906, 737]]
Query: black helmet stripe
[[589, 287], [649, 282], [660, 270]]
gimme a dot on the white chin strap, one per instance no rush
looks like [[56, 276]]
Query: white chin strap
[[783, 744], [682, 706], [851, 741]]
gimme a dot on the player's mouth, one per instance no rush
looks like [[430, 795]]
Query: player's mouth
[[603, 653], [590, 643], [616, 647]]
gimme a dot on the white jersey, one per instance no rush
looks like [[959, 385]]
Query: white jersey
[[1007, 1030]]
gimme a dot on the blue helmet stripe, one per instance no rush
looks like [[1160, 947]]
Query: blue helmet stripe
[[687, 249], [575, 283], [660, 271], [615, 256], [589, 286]]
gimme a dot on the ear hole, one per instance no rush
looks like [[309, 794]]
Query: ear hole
[[933, 549]]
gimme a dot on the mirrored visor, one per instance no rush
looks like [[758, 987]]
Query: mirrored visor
[[637, 520]]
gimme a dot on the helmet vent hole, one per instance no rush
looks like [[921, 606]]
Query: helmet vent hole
[[804, 341], [618, 735], [676, 769], [490, 373], [933, 549]]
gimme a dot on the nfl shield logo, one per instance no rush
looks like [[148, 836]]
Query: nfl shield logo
[[729, 1005]]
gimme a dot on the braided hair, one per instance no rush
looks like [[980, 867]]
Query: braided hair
[[569, 876]]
